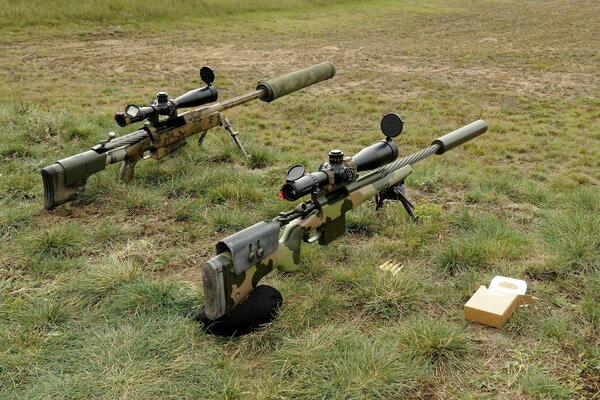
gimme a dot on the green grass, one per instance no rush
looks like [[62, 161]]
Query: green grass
[[539, 385], [438, 347], [93, 295], [341, 363], [126, 11]]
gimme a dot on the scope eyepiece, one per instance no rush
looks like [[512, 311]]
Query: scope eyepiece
[[134, 114], [309, 183]]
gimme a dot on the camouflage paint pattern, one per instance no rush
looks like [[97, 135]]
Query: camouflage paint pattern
[[64, 179], [285, 84], [287, 255]]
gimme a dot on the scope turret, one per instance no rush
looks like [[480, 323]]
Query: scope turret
[[340, 170]]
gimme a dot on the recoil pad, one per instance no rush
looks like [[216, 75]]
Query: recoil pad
[[288, 83], [460, 136], [213, 279], [260, 308], [55, 191]]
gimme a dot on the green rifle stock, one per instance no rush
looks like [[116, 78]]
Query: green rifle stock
[[165, 130], [244, 258]]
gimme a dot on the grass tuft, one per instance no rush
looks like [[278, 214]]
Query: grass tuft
[[150, 297], [540, 385], [226, 219], [590, 310], [573, 237], [109, 233], [463, 254], [61, 240], [141, 201], [43, 315], [484, 239], [439, 347], [19, 187], [102, 280], [341, 363], [381, 292], [260, 158], [14, 218]]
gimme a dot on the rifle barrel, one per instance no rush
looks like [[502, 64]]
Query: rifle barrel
[[241, 99]]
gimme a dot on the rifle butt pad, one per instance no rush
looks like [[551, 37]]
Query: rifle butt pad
[[55, 191]]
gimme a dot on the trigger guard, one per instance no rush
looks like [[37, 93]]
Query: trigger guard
[[311, 239]]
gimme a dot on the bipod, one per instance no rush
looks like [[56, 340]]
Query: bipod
[[227, 126], [396, 193], [224, 122]]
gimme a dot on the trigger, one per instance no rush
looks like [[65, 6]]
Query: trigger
[[311, 239]]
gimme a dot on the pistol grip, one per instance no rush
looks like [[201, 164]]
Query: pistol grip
[[127, 170]]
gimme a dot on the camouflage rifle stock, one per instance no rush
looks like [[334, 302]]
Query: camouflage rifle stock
[[244, 258], [165, 130]]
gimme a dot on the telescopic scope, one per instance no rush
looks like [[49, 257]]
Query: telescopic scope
[[163, 106], [340, 170]]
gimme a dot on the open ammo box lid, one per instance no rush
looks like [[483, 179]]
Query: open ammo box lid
[[493, 306]]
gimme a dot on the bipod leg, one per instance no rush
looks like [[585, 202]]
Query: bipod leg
[[227, 125], [396, 192], [408, 206]]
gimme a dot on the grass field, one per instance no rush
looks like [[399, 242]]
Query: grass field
[[93, 294]]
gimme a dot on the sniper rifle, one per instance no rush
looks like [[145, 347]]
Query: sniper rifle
[[233, 304], [165, 130]]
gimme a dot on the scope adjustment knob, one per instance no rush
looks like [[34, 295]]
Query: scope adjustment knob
[[336, 157], [348, 175], [162, 97]]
